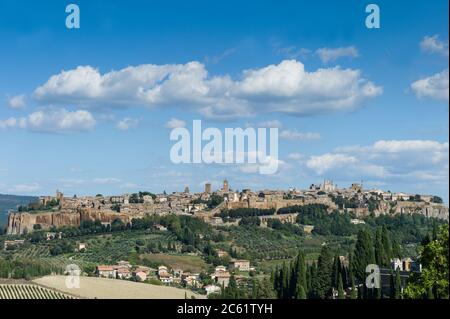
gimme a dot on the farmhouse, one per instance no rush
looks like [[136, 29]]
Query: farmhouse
[[222, 253], [141, 276], [162, 270], [166, 278], [123, 273], [190, 279], [212, 289], [106, 271], [240, 264], [222, 279]]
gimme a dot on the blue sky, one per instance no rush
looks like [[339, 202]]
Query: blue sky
[[351, 103]]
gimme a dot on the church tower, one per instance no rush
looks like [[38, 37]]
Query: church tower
[[226, 187]]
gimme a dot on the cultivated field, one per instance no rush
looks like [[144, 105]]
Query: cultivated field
[[102, 288], [27, 291], [185, 262]]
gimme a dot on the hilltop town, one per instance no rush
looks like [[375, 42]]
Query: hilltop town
[[216, 240], [59, 211]]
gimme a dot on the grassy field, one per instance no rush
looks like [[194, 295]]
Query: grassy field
[[101, 288], [193, 264]]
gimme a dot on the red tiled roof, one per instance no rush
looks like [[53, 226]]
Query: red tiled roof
[[105, 268]]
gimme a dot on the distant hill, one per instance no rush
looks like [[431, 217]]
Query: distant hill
[[8, 202]]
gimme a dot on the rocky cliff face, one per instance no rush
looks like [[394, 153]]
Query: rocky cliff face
[[21, 223], [427, 209]]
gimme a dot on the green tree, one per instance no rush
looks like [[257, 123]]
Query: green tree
[[396, 285], [363, 256], [265, 290], [387, 245], [354, 293], [322, 284], [341, 294], [380, 257], [300, 292], [433, 281]]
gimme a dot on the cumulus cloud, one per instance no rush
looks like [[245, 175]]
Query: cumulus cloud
[[387, 160], [435, 86], [127, 123], [326, 162], [17, 102], [432, 44], [286, 87], [332, 54], [12, 122], [53, 121], [175, 123]]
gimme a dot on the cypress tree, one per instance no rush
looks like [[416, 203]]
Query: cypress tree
[[396, 250], [398, 285], [303, 270], [354, 293], [395, 285], [336, 271], [313, 279], [387, 245], [363, 256], [255, 288], [285, 278], [341, 294], [301, 293], [380, 257], [324, 273]]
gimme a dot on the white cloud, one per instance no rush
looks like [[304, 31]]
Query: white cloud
[[294, 135], [435, 86], [175, 123], [387, 160], [127, 123], [326, 162], [17, 102], [286, 87], [432, 44], [53, 121], [106, 180], [396, 146], [332, 54], [12, 122]]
